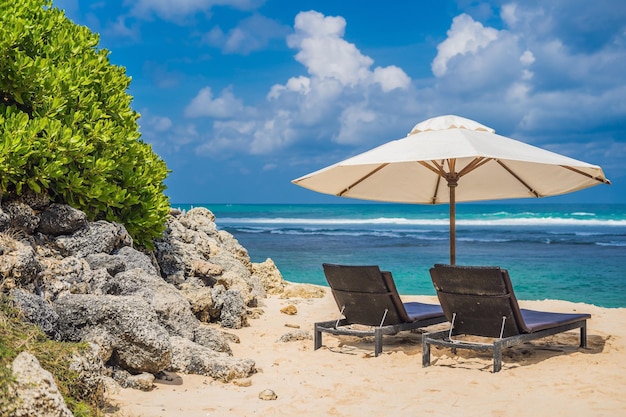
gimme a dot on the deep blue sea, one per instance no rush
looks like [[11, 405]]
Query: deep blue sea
[[568, 252]]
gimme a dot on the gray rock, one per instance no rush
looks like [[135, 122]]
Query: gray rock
[[172, 309], [37, 392], [294, 336], [62, 276], [232, 245], [36, 310], [140, 343], [200, 300], [22, 216], [89, 369], [233, 310], [19, 262], [211, 338], [70, 269], [61, 219], [38, 201], [189, 357], [103, 340], [135, 259], [143, 381], [168, 253], [113, 264], [5, 221], [96, 237], [129, 304], [97, 283]]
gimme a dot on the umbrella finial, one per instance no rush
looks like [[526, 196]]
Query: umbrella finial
[[449, 122]]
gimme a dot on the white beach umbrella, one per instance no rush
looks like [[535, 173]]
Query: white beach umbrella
[[470, 159]]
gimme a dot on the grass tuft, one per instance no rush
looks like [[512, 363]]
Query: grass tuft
[[17, 336]]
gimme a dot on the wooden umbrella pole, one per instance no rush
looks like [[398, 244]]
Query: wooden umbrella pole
[[452, 223], [452, 177]]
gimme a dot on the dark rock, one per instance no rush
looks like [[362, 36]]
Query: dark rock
[[21, 216], [61, 219], [135, 259], [113, 264], [36, 310], [96, 237], [38, 201], [5, 221]]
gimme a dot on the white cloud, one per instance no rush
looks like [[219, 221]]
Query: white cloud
[[532, 85], [224, 106], [527, 58], [517, 92], [177, 11], [160, 124], [354, 122], [508, 14], [325, 54], [333, 102], [121, 29], [301, 85], [252, 34], [391, 77], [323, 51], [466, 36]]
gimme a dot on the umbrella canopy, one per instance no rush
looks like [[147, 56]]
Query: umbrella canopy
[[470, 159]]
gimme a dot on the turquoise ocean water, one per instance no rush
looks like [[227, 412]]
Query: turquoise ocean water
[[569, 252]]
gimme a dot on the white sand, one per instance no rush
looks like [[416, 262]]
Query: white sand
[[548, 377]]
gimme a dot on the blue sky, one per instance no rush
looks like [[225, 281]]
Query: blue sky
[[239, 97]]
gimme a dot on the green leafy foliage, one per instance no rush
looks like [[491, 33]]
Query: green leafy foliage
[[66, 125]]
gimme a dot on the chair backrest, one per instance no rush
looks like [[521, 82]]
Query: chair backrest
[[480, 296], [365, 293]]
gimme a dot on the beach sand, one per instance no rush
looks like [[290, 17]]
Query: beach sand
[[547, 377]]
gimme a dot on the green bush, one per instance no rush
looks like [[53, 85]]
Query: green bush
[[66, 125]]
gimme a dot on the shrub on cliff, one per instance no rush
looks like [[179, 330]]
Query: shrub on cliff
[[66, 125]]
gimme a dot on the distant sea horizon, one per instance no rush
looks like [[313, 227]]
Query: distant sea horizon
[[573, 252]]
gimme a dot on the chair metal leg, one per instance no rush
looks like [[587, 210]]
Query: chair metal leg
[[583, 335], [318, 338], [497, 356], [378, 342], [425, 352]]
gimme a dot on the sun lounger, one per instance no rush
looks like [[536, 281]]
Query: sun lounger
[[368, 297], [479, 301]]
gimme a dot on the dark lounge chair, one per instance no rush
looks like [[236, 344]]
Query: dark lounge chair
[[479, 301], [368, 296]]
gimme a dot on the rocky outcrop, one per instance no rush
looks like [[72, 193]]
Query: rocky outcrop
[[192, 250], [141, 312]]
